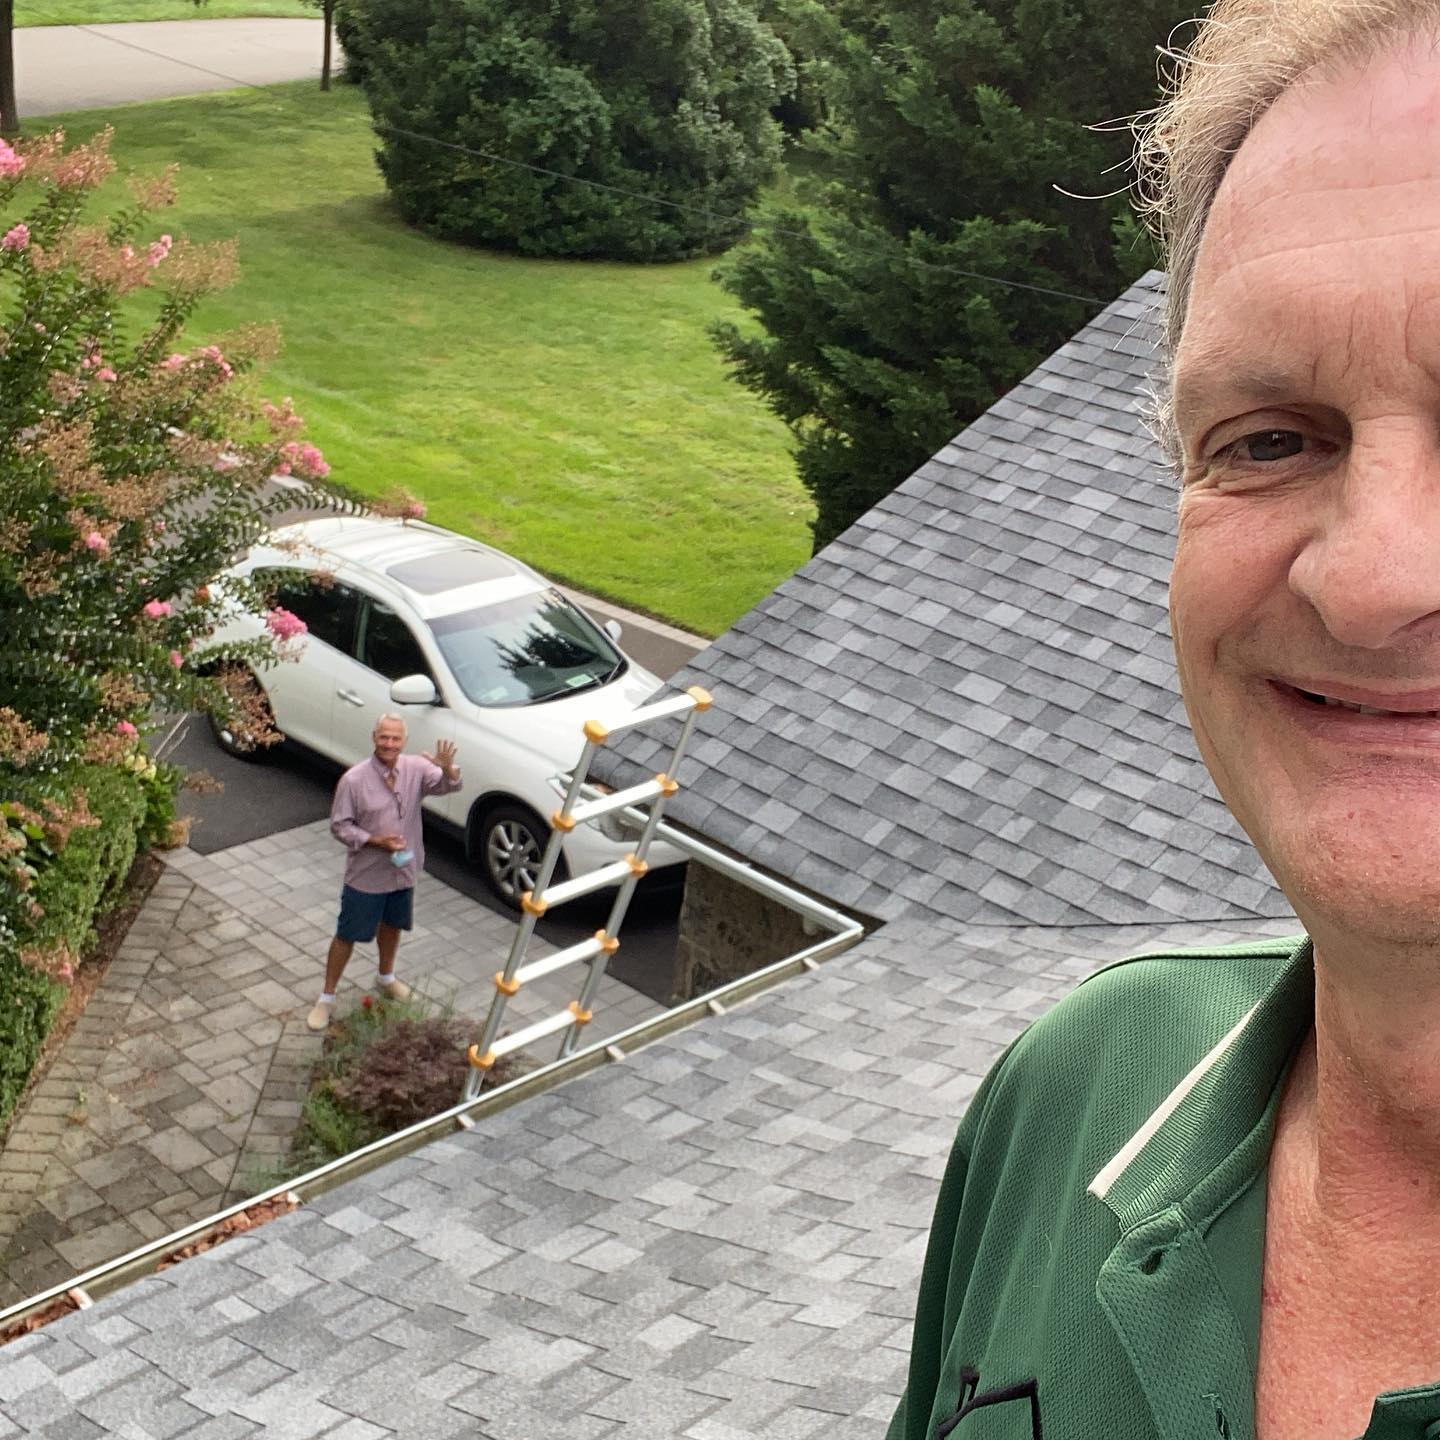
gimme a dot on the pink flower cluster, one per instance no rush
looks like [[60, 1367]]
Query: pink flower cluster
[[158, 251], [205, 355], [11, 164], [303, 459], [125, 728], [213, 355], [415, 510], [157, 609], [17, 237], [95, 361], [284, 625], [97, 542]]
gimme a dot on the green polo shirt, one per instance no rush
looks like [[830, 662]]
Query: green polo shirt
[[1094, 1266]]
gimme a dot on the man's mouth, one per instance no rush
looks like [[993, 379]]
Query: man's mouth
[[1318, 699]]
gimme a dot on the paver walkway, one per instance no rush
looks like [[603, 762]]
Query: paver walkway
[[181, 1084]]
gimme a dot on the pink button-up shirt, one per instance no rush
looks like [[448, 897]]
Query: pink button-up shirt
[[365, 805]]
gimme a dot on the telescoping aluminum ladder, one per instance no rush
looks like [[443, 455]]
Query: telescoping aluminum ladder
[[597, 950]]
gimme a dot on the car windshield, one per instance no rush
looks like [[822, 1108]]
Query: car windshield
[[524, 651]]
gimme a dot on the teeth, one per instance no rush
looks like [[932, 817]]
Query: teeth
[[1371, 710]]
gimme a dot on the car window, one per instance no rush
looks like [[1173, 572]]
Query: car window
[[387, 644], [327, 607], [525, 650]]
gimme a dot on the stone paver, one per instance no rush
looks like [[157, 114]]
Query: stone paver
[[717, 1239], [178, 1089]]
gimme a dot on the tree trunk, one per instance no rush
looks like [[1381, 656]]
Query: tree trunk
[[9, 118], [329, 25]]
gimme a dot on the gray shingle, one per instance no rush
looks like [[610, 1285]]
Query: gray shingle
[[1007, 601]]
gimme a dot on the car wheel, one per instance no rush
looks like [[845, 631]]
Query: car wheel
[[509, 845], [236, 737]]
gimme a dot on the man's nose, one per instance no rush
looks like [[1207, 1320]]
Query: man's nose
[[1371, 565]]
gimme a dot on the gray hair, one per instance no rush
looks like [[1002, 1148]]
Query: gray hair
[[393, 719], [1245, 55]]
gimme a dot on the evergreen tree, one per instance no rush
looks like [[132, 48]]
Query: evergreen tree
[[954, 128], [669, 99]]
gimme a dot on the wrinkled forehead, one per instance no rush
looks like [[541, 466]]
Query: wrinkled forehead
[[394, 728], [1346, 163]]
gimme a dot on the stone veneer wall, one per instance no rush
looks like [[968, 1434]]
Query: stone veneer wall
[[727, 930]]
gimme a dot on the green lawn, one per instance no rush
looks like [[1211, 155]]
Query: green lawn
[[574, 413], [103, 12]]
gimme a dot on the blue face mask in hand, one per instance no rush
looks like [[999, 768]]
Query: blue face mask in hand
[[401, 857]]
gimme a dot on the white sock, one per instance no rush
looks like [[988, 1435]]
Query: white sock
[[381, 978], [326, 998]]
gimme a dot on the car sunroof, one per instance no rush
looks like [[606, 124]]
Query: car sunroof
[[450, 570]]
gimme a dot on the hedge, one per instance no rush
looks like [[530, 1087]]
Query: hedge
[[80, 883]]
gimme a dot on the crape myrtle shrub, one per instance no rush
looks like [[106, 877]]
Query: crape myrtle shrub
[[670, 98], [133, 469], [951, 130]]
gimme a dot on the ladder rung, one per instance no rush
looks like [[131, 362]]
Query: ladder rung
[[585, 950], [584, 884], [506, 1044], [675, 705], [593, 809]]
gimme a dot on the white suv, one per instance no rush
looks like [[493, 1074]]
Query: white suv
[[469, 645]]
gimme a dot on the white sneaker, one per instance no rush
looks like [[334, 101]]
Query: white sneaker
[[393, 990], [319, 1017]]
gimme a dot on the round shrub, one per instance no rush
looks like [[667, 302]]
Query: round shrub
[[598, 98]]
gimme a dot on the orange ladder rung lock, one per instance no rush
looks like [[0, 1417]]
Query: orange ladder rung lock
[[595, 952]]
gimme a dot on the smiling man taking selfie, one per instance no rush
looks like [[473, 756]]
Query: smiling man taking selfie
[[1201, 1197]]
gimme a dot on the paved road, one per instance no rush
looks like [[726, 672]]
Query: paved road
[[89, 67]]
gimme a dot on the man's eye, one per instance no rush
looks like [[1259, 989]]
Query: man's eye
[[1266, 445]]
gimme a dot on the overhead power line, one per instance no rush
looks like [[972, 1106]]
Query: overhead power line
[[737, 219]]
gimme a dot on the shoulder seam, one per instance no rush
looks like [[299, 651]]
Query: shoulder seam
[[1278, 947]]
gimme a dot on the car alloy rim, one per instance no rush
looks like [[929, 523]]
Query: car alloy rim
[[514, 857]]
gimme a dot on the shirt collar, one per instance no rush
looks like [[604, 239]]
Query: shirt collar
[[1217, 1109]]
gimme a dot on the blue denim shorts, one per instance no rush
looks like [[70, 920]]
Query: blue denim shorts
[[361, 913]]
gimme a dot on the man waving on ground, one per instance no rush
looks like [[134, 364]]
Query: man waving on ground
[[376, 816]]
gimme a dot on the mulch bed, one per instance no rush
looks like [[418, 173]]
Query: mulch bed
[[110, 931]]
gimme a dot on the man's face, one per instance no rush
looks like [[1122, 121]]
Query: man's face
[[389, 740], [1308, 563]]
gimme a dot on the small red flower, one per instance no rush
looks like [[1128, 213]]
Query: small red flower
[[365, 1003]]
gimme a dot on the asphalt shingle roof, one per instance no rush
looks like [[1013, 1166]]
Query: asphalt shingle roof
[[966, 706], [719, 1238]]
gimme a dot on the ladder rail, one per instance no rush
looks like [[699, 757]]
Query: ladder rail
[[595, 953], [626, 893]]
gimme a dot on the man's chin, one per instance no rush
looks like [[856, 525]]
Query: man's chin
[[1382, 886]]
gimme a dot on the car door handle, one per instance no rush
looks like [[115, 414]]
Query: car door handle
[[350, 696]]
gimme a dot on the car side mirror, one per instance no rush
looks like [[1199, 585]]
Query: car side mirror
[[414, 690], [612, 629]]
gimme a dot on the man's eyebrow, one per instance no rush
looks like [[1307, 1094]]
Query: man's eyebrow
[[1209, 381]]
